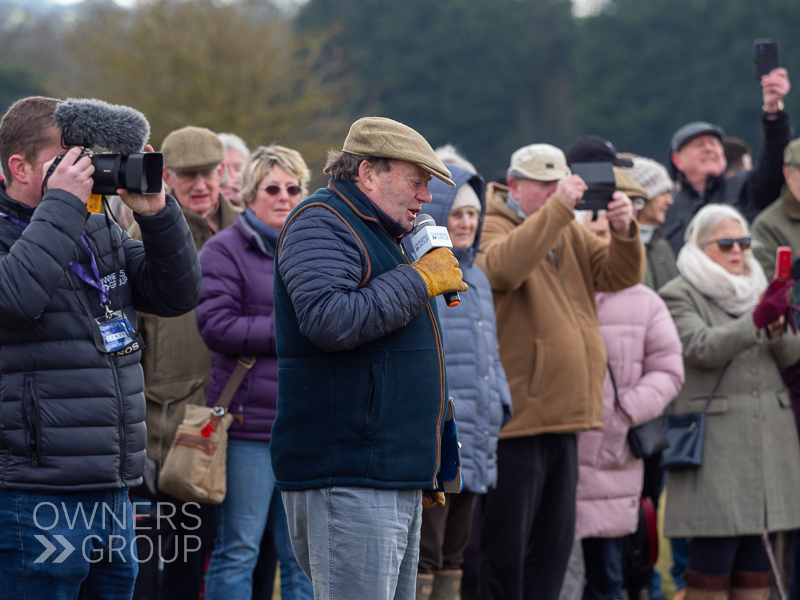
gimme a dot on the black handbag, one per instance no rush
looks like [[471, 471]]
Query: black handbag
[[646, 439], [686, 434]]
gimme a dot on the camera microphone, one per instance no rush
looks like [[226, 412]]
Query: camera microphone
[[91, 122], [427, 235], [121, 130]]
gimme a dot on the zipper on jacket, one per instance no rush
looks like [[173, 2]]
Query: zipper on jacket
[[121, 406], [554, 259], [440, 352], [33, 420]]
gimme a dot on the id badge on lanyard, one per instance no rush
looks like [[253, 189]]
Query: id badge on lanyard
[[112, 332]]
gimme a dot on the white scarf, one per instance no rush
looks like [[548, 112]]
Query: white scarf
[[735, 294]]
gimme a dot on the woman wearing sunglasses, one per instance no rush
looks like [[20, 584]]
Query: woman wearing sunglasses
[[749, 481], [236, 318]]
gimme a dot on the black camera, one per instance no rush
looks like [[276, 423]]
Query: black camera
[[138, 173]]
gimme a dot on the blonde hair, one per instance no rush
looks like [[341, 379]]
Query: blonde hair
[[261, 162], [708, 219]]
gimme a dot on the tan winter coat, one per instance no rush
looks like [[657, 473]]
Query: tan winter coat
[[175, 360], [550, 342]]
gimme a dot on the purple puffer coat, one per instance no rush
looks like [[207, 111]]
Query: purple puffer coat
[[236, 318]]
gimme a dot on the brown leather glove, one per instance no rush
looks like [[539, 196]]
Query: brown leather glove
[[439, 269], [431, 499]]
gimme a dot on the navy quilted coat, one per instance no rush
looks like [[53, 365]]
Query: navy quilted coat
[[72, 417], [476, 379]]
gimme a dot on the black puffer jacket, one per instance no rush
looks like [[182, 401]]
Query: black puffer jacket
[[749, 192], [72, 417]]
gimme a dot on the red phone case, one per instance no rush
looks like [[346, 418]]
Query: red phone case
[[783, 263]]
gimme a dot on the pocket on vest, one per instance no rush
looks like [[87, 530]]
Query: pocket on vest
[[376, 407]]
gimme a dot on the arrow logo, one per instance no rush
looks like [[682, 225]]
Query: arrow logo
[[49, 548]]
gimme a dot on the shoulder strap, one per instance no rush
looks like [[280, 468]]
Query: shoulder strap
[[243, 365], [716, 385]]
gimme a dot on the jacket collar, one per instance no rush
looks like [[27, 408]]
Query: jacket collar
[[365, 208], [790, 203], [712, 185], [8, 205], [253, 237], [496, 195]]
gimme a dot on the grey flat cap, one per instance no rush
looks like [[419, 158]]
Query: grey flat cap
[[692, 130]]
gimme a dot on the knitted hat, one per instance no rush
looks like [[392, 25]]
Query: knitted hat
[[466, 196], [385, 138], [192, 149], [652, 176], [626, 183]]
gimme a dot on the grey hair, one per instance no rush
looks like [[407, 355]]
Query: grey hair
[[708, 219], [448, 154], [231, 141]]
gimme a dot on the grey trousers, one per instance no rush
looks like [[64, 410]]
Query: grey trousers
[[357, 543]]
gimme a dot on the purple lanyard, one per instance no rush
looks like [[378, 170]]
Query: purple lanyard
[[95, 281]]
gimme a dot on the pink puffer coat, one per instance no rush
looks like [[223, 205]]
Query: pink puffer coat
[[645, 353]]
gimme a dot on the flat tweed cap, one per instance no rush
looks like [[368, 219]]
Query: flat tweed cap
[[192, 149], [385, 138], [791, 156]]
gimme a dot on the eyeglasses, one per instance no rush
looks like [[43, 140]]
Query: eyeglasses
[[274, 190], [207, 175], [726, 244]]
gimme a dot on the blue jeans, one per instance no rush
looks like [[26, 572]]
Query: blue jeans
[[58, 546], [294, 583], [357, 543], [603, 560], [241, 520]]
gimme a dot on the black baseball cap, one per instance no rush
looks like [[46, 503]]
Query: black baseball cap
[[594, 149]]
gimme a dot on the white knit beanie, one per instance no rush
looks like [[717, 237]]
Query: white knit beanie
[[652, 176], [466, 196]]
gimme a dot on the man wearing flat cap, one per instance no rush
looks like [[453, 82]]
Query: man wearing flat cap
[[697, 163], [357, 443], [175, 360], [779, 224], [544, 269]]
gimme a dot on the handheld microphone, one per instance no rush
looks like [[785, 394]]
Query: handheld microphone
[[426, 236]]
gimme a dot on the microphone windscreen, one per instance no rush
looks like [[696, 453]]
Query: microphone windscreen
[[91, 122], [423, 220]]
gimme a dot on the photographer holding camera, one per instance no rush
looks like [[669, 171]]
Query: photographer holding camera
[[71, 401]]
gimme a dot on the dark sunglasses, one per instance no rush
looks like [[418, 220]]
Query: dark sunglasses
[[274, 190], [726, 244]]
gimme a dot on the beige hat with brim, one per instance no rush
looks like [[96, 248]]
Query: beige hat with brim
[[626, 183], [385, 138], [192, 149], [540, 162]]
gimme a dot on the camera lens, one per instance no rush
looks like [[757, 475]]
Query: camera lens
[[137, 173]]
